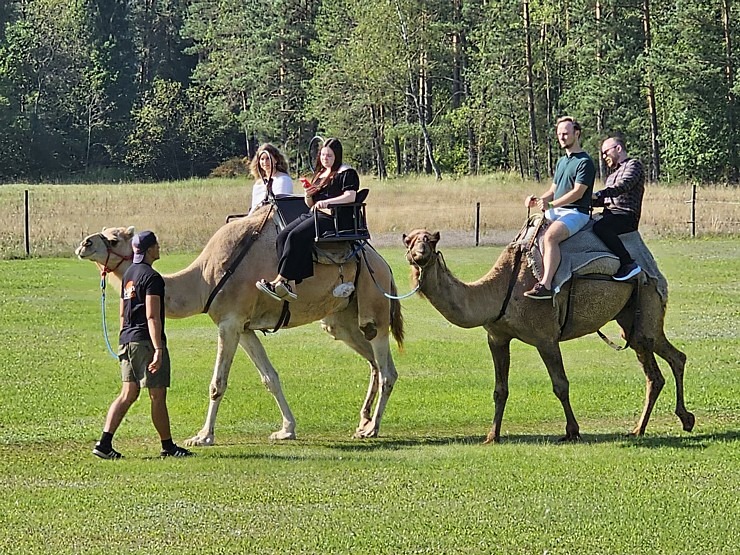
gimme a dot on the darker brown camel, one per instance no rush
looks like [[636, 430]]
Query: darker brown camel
[[538, 323]]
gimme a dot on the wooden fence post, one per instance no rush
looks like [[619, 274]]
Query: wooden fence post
[[477, 223], [693, 210], [26, 226]]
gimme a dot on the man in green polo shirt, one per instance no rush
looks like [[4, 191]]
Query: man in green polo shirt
[[566, 203]]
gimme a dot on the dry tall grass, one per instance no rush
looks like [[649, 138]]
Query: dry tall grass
[[185, 214]]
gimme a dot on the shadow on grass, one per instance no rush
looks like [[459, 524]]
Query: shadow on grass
[[350, 446]]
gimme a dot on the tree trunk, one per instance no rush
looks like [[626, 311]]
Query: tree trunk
[[457, 56], [549, 101], [530, 93], [415, 96], [376, 113], [397, 143], [505, 150], [652, 109], [730, 83], [600, 112], [247, 143], [517, 151]]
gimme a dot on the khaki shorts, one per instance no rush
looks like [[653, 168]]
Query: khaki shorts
[[135, 357]]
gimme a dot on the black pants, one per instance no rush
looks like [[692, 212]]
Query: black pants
[[295, 245], [608, 229]]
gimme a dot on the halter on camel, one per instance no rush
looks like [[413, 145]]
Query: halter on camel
[[104, 271]]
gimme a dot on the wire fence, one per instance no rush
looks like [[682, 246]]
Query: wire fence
[[51, 220]]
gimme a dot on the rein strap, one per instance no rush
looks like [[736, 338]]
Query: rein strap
[[246, 243]]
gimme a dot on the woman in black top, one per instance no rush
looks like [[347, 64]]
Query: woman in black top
[[332, 183]]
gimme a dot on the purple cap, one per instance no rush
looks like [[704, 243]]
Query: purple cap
[[141, 242]]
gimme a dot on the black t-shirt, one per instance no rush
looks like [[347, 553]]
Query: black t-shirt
[[348, 180], [139, 281]]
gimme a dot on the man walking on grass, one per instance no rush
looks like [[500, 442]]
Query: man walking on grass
[[145, 361]]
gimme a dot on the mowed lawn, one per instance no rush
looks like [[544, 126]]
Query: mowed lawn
[[426, 485]]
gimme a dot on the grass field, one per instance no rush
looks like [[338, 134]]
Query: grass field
[[427, 485]]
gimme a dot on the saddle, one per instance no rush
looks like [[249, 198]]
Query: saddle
[[337, 247], [584, 253]]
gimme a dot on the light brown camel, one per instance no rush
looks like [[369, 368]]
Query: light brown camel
[[538, 323], [363, 321]]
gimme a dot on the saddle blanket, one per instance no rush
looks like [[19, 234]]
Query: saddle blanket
[[585, 253]]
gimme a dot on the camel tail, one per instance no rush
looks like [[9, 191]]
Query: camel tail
[[396, 317]]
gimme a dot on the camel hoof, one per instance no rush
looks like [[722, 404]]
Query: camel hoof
[[570, 438], [365, 433], [200, 441], [282, 434], [688, 421], [491, 438]]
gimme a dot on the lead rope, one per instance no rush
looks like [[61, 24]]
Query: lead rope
[[103, 281], [377, 285]]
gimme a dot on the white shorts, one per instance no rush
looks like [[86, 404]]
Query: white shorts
[[570, 217]]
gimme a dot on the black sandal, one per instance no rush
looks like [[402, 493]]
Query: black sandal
[[269, 288]]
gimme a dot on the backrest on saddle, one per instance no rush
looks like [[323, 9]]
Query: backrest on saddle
[[343, 214], [350, 220], [288, 208]]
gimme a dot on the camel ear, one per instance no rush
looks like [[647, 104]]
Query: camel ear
[[129, 232], [406, 240], [435, 238]]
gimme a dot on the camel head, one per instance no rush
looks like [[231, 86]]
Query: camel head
[[109, 248], [421, 247]]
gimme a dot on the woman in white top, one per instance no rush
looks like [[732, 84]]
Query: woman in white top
[[269, 163]]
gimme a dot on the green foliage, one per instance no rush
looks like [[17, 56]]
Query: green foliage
[[233, 167], [407, 84]]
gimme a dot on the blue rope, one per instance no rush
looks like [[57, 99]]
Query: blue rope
[[377, 285], [102, 309]]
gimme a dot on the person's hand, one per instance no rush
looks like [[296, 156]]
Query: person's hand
[[310, 191], [322, 204], [156, 362], [530, 201], [541, 204]]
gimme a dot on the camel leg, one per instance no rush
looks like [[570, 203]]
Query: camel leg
[[387, 376], [553, 360], [343, 326], [677, 360], [228, 337], [256, 352], [654, 382], [500, 351]]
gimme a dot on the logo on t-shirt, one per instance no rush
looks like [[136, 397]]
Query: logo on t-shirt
[[129, 291]]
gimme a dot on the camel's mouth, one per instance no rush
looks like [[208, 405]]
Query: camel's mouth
[[420, 246], [419, 253], [84, 250]]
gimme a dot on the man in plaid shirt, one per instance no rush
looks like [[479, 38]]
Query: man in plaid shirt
[[622, 202]]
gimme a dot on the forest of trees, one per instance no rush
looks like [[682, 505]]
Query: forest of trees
[[168, 89]]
